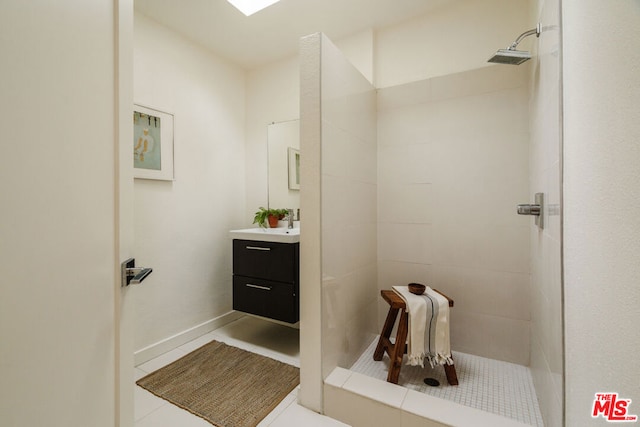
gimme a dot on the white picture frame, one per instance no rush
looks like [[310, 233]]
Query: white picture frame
[[153, 133], [294, 168]]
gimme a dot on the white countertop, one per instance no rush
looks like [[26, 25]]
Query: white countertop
[[280, 234]]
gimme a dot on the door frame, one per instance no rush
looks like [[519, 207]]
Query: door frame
[[123, 209]]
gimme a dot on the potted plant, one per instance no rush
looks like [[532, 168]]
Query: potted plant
[[271, 215]]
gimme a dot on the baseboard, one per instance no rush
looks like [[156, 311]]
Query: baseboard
[[168, 344]]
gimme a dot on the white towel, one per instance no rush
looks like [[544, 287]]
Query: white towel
[[428, 335]]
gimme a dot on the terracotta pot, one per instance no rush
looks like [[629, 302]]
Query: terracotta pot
[[273, 221]]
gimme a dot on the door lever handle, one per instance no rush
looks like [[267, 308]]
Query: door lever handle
[[132, 275], [138, 274]]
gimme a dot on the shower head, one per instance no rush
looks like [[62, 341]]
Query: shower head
[[511, 55]]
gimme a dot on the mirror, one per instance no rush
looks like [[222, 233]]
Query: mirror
[[284, 165]]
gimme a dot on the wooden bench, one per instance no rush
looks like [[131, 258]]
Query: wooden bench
[[397, 349]]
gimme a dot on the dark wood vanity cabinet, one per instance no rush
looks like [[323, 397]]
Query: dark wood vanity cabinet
[[266, 278]]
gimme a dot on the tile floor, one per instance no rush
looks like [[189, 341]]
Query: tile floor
[[249, 333], [490, 385]]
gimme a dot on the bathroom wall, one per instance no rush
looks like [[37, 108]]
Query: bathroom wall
[[359, 50], [452, 166], [457, 37], [349, 210], [181, 226], [338, 241], [601, 89], [545, 177], [273, 95]]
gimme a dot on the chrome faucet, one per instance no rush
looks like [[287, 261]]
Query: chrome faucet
[[290, 215]]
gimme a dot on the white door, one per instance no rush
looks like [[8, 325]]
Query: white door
[[64, 211]]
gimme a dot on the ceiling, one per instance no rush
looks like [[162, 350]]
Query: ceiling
[[273, 33]]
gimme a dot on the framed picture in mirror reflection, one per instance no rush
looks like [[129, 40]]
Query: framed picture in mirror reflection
[[294, 168]]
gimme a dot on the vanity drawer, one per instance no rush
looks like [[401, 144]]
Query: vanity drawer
[[266, 260], [266, 298]]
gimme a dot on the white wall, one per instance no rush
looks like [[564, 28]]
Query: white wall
[[454, 38], [58, 285], [181, 227], [338, 200], [545, 177], [283, 136], [349, 210], [452, 166], [359, 49], [272, 95], [311, 378], [601, 89]]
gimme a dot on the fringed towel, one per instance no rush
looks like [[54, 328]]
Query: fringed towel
[[428, 335]]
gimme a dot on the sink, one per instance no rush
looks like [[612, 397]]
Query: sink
[[280, 234]]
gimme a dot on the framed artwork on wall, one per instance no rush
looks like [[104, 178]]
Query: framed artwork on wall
[[294, 168], [152, 143]]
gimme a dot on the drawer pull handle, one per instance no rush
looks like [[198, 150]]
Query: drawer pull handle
[[258, 248], [266, 288]]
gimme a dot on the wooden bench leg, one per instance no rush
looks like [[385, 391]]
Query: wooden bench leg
[[452, 377], [398, 349], [383, 342]]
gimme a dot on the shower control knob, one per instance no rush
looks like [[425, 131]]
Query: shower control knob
[[528, 209], [534, 209]]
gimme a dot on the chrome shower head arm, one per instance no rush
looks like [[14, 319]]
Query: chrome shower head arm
[[522, 36]]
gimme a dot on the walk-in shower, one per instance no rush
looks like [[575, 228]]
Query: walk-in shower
[[511, 55]]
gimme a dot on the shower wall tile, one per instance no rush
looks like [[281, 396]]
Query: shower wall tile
[[406, 125], [468, 332], [405, 203], [459, 85], [333, 139], [553, 202], [411, 420], [509, 339], [487, 292], [352, 242], [348, 329], [356, 410], [545, 177], [551, 400], [478, 82], [345, 155], [384, 392], [405, 242], [481, 246], [406, 164], [404, 95], [490, 336], [452, 165], [360, 331], [349, 210], [392, 273], [334, 339]]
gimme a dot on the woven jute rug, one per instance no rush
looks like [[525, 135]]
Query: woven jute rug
[[224, 385]]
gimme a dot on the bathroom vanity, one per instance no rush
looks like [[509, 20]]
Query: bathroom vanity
[[266, 273]]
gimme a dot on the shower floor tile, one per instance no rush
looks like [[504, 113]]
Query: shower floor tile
[[501, 388]]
